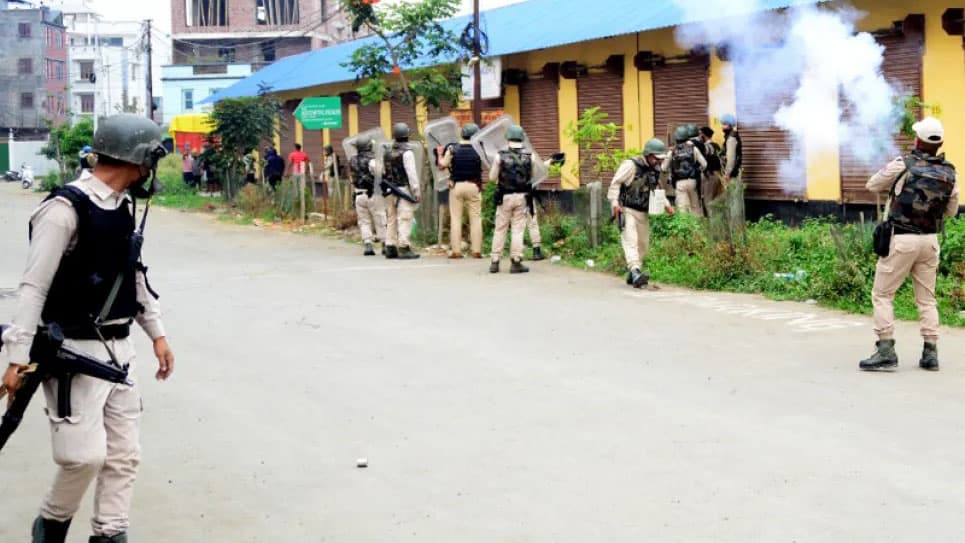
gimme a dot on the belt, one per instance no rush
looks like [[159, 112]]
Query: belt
[[111, 331], [465, 181], [903, 230]]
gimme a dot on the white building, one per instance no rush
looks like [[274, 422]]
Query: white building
[[185, 85]]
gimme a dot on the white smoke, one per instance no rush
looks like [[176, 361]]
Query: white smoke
[[825, 77]]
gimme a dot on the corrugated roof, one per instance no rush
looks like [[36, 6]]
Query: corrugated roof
[[516, 28]]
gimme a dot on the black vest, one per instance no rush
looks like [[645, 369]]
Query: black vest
[[734, 168], [87, 273], [362, 176], [394, 161], [636, 194], [515, 171], [466, 164]]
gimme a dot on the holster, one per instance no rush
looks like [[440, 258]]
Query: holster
[[498, 198], [530, 204]]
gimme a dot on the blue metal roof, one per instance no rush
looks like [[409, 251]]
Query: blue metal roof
[[516, 28]]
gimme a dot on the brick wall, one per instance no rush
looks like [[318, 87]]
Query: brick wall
[[242, 17], [250, 50]]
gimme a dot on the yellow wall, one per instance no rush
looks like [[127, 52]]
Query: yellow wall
[[568, 114], [385, 118], [353, 119], [299, 132], [722, 93], [944, 84], [421, 115], [511, 101]]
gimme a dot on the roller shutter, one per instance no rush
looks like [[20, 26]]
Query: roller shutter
[[603, 90], [336, 135], [287, 122], [902, 68], [539, 116], [370, 116], [679, 96], [312, 145], [404, 113]]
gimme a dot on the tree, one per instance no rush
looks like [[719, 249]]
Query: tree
[[408, 34], [599, 140], [66, 142], [240, 124]]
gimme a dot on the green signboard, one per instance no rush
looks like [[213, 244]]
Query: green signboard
[[320, 113]]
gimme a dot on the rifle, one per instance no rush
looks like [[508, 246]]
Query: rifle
[[619, 218], [398, 191], [51, 358]]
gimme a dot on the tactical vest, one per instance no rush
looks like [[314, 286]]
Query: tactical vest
[[636, 194], [711, 152], [362, 176], [466, 164], [395, 165], [738, 162], [515, 171], [87, 273], [921, 204], [684, 162]]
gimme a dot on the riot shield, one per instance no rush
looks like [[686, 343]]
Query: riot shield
[[440, 133], [377, 135], [492, 139], [416, 147]]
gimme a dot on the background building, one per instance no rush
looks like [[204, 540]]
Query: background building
[[185, 85]]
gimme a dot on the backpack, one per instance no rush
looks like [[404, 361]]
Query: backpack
[[684, 163]]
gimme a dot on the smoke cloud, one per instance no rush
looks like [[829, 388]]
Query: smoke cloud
[[805, 70]]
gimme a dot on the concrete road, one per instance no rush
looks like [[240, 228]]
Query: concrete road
[[554, 407]]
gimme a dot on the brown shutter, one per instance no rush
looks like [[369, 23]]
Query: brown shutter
[[539, 116], [288, 127], [679, 96], [404, 113], [603, 90], [766, 146], [312, 145], [370, 116], [440, 112], [336, 135], [902, 68]]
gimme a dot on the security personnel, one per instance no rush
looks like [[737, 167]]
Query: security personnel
[[705, 143], [86, 159], [369, 209], [465, 189], [733, 150], [402, 172], [922, 190], [629, 195], [79, 250], [685, 165], [535, 237], [513, 171]]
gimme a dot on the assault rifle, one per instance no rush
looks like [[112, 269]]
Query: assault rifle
[[398, 191], [51, 358]]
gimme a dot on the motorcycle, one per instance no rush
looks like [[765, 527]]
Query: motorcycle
[[13, 175], [25, 175]]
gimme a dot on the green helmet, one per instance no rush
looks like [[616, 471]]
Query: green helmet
[[364, 145], [692, 131], [680, 134], [469, 130], [400, 132], [515, 133], [654, 147], [129, 138]]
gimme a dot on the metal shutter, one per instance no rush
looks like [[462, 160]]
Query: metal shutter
[[679, 96], [539, 115], [336, 135], [603, 90], [404, 113], [766, 146], [287, 121], [440, 112], [902, 68], [312, 144], [370, 116]]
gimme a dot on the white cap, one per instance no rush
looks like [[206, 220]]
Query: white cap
[[929, 130]]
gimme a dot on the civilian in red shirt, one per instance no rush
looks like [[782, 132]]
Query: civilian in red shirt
[[298, 162]]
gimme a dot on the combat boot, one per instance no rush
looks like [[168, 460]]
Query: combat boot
[[405, 253], [638, 279], [119, 538], [517, 266], [494, 267], [369, 251], [49, 531], [538, 253], [929, 357], [391, 252], [884, 358]]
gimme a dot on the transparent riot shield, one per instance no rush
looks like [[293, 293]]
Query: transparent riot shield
[[348, 144], [492, 139], [417, 149], [439, 134]]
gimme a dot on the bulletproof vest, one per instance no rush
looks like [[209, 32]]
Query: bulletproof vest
[[738, 163], [684, 163], [515, 171], [87, 273], [362, 176], [466, 164], [711, 152], [395, 165], [636, 194], [921, 204]]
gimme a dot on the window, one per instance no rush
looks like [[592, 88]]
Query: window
[[23, 30], [277, 12], [268, 51], [26, 100], [227, 54], [25, 66], [86, 69], [112, 42], [59, 67], [86, 103], [187, 99], [207, 13]]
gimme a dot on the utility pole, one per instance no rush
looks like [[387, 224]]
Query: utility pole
[[149, 105], [477, 67]]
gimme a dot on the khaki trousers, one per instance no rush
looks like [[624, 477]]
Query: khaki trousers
[[533, 225], [512, 213], [688, 200], [371, 217], [913, 254], [635, 237], [465, 194], [99, 440], [399, 214]]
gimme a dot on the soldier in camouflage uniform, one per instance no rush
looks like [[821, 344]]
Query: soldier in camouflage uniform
[[400, 172], [514, 172], [368, 207], [922, 192]]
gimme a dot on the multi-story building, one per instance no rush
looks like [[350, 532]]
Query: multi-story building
[[107, 63], [33, 75]]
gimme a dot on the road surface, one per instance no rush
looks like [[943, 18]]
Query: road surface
[[554, 407]]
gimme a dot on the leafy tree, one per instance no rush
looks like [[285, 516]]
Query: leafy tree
[[409, 33], [66, 142], [240, 124], [599, 140]]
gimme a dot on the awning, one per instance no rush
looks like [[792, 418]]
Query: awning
[[195, 123]]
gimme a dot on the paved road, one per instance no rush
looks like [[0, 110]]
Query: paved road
[[553, 407]]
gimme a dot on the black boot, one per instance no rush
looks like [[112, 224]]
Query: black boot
[[929, 357], [119, 538], [538, 253], [391, 252], [494, 266], [405, 253], [638, 279], [884, 358], [517, 266], [369, 251], [49, 531]]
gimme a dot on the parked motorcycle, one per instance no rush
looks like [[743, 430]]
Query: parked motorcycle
[[26, 177], [13, 175]]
